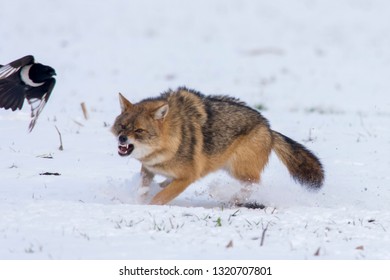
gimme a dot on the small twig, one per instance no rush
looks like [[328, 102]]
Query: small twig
[[48, 156], [234, 214], [61, 148], [50, 173], [317, 253], [263, 234], [84, 109], [363, 125], [78, 123], [230, 244]]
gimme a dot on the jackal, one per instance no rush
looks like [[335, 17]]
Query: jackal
[[184, 135]]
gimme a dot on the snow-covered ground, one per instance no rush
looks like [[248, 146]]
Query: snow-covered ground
[[319, 69]]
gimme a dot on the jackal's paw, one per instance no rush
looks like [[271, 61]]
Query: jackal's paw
[[142, 197], [143, 191], [165, 183], [238, 200]]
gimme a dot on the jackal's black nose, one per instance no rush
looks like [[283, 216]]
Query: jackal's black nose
[[122, 139]]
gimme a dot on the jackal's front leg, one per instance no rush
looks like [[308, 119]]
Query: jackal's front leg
[[147, 178], [171, 191]]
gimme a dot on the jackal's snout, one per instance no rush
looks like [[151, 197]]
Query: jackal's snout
[[122, 139], [125, 148]]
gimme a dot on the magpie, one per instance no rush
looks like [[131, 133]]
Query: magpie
[[26, 79]]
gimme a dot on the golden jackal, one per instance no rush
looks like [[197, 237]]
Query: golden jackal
[[184, 135]]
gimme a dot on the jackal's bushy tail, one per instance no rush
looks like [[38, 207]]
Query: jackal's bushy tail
[[302, 164]]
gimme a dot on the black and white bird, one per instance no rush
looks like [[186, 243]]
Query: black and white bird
[[25, 79]]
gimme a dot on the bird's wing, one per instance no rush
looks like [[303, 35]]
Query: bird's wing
[[11, 95], [9, 69], [38, 100], [12, 92]]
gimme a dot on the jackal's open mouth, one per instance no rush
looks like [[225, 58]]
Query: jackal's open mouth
[[125, 149]]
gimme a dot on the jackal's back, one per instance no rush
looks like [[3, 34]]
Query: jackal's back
[[221, 119]]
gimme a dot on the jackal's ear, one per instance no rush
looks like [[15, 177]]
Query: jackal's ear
[[125, 104], [161, 112]]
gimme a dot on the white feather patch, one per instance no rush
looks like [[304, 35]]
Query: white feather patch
[[7, 71], [24, 75]]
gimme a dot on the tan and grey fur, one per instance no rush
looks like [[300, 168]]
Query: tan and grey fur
[[184, 135]]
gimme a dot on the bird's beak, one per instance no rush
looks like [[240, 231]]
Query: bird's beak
[[51, 71]]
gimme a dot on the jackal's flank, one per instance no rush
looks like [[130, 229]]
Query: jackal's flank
[[184, 135]]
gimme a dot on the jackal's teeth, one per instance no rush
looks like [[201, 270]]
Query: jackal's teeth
[[125, 149]]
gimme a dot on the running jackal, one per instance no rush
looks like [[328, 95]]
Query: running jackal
[[184, 135]]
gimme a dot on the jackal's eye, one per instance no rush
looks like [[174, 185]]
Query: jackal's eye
[[122, 126], [139, 130]]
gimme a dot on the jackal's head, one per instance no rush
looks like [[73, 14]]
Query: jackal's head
[[138, 127]]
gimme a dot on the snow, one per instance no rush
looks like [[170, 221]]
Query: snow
[[320, 68]]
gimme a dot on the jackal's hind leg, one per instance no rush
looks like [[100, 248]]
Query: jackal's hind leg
[[248, 161], [243, 195]]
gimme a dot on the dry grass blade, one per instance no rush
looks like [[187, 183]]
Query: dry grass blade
[[84, 109], [61, 147], [263, 234]]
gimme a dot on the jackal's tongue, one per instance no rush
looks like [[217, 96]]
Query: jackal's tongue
[[125, 149], [122, 149]]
